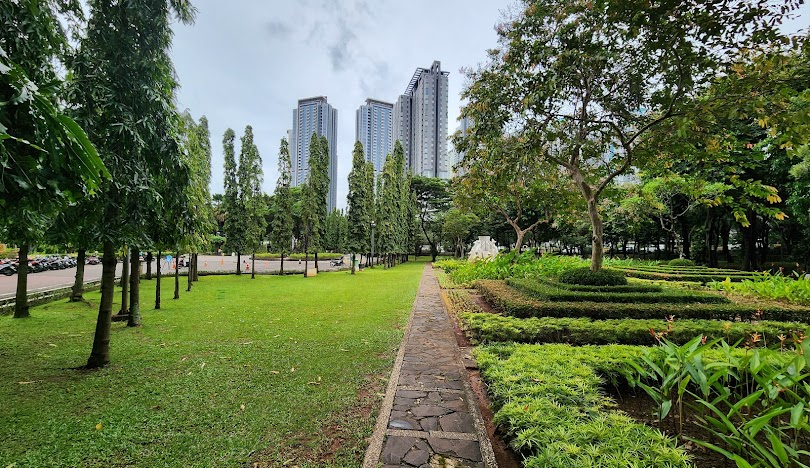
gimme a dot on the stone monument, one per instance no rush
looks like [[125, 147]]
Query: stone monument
[[483, 249]]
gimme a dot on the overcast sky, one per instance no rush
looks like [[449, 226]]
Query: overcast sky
[[249, 61]]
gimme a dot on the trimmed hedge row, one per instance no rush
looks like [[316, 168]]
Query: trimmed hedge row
[[492, 328], [675, 269], [583, 276], [543, 292], [630, 288], [698, 278], [512, 302]]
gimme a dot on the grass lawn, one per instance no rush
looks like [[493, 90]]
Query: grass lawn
[[277, 371]]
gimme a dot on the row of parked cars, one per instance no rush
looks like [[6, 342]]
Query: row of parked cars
[[9, 267]]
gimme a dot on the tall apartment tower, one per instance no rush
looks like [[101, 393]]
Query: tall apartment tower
[[374, 129], [420, 122], [314, 115]]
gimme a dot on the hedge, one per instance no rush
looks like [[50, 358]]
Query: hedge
[[544, 292], [630, 288], [583, 276], [547, 400], [297, 256], [699, 278], [491, 328], [512, 302]]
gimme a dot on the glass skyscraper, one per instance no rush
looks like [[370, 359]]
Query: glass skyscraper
[[374, 129], [314, 115]]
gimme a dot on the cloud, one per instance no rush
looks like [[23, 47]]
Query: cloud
[[339, 53], [278, 29]]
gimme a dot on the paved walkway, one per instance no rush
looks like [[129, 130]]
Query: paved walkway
[[429, 416]]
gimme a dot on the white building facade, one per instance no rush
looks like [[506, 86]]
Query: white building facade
[[314, 115], [420, 122], [374, 128]]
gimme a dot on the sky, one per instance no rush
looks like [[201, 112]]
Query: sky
[[247, 62]]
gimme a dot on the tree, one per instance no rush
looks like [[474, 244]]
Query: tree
[[48, 161], [337, 228], [249, 176], [319, 173], [312, 202], [432, 200], [505, 176], [588, 83], [234, 210], [456, 226], [282, 227], [359, 218], [123, 87], [371, 207]]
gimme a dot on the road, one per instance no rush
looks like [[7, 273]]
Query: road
[[52, 279]]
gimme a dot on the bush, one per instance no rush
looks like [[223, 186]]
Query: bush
[[696, 277], [491, 328], [777, 287], [584, 276], [681, 262], [630, 288], [449, 265], [548, 401], [518, 266], [512, 302], [545, 292]]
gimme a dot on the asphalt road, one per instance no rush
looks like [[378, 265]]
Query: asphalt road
[[52, 279]]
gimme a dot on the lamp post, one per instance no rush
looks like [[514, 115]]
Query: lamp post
[[372, 244]]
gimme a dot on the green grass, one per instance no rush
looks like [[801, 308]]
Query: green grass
[[174, 392]]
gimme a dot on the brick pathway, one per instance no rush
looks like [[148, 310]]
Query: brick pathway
[[429, 416]]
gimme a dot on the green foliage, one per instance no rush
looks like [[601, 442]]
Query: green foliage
[[249, 178], [199, 218], [432, 200], [755, 405], [234, 232], [281, 233], [585, 277], [493, 328], [517, 266], [681, 262], [512, 302], [456, 226], [337, 228], [795, 290], [630, 288], [190, 368], [546, 292], [359, 217], [449, 265], [547, 400]]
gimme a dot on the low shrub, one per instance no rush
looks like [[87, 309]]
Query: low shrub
[[681, 262], [492, 328], [516, 266], [462, 303], [585, 277], [446, 282], [544, 292], [512, 302], [629, 288], [547, 399], [449, 264], [695, 277]]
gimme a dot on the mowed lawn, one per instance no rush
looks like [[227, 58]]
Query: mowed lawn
[[282, 371]]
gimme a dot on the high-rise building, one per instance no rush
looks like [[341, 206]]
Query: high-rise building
[[457, 156], [374, 129], [420, 122], [314, 115]]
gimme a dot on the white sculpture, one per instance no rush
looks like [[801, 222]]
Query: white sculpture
[[484, 248]]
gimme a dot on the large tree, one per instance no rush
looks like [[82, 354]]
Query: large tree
[[47, 160], [588, 82], [125, 89], [432, 200], [250, 177], [281, 233], [359, 216], [313, 202], [231, 204]]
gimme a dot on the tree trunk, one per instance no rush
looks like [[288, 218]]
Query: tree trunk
[[157, 284], [77, 294], [764, 243], [134, 288], [149, 259], [725, 234], [238, 263], [353, 264], [177, 275], [125, 283], [316, 261], [749, 236], [596, 245], [686, 239], [100, 355], [21, 300], [518, 243], [196, 267], [306, 263], [190, 267], [281, 271], [252, 268]]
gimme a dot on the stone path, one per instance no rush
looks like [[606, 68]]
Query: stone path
[[429, 416]]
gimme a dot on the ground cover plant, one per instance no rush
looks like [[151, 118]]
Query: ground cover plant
[[509, 265], [492, 328], [683, 273], [752, 407], [267, 370], [777, 287], [583, 276], [548, 401], [511, 301]]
